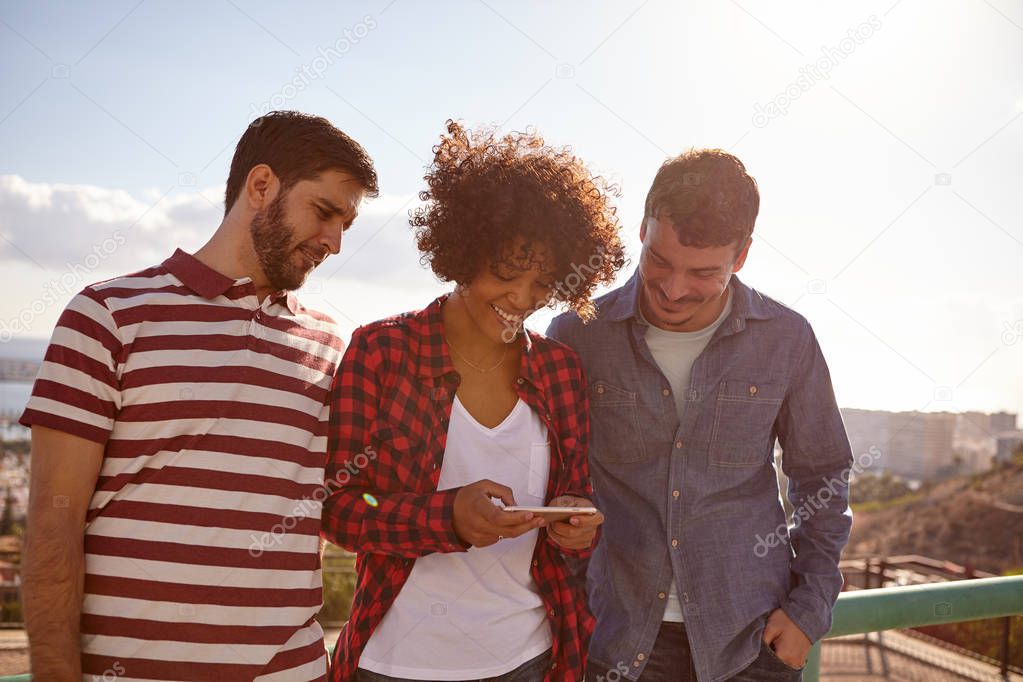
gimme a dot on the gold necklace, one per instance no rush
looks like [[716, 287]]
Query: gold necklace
[[504, 354]]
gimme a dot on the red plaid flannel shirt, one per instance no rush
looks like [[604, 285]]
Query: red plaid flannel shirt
[[390, 407]]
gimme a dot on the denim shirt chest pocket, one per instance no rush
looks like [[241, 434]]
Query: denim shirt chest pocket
[[615, 424], [744, 416]]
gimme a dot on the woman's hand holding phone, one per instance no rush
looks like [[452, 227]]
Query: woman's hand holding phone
[[575, 532], [480, 523]]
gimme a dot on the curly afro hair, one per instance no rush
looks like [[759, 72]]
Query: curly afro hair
[[515, 200]]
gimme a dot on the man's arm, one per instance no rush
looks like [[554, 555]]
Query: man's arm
[[817, 458], [63, 478]]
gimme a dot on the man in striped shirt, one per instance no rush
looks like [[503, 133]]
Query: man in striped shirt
[[178, 436]]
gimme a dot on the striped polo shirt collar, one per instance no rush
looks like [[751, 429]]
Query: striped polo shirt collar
[[208, 283]]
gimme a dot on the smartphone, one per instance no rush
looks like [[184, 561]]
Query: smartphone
[[555, 513]]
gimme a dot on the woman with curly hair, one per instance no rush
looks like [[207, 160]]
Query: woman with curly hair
[[440, 417]]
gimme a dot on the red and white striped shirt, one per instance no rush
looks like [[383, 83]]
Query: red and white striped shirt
[[202, 536]]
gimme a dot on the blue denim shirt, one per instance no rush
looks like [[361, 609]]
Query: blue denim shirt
[[699, 500]]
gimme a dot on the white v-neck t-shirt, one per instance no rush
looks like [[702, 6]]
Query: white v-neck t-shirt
[[474, 614]]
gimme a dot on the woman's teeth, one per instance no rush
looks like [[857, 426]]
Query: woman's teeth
[[511, 319]]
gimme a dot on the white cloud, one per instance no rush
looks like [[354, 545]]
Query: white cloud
[[56, 238], [54, 226]]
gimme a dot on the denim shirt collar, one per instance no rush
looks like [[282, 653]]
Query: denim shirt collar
[[747, 304]]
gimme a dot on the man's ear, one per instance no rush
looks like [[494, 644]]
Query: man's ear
[[261, 187], [740, 260]]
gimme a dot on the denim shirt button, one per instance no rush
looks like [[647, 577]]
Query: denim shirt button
[[666, 391], [640, 657], [662, 595], [600, 388], [678, 445], [675, 494], [752, 390], [674, 542]]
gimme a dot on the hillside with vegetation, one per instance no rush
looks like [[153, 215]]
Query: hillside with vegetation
[[970, 520]]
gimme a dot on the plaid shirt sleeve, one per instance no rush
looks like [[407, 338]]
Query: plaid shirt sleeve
[[365, 511], [572, 399]]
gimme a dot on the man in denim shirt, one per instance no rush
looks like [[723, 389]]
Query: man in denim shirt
[[692, 376]]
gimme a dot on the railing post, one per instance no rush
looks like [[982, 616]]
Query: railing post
[[1006, 638], [812, 671]]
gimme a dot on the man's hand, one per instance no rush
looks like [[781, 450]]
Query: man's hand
[[786, 639], [576, 532], [479, 522]]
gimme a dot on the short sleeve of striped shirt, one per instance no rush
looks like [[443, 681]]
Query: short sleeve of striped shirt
[[77, 390]]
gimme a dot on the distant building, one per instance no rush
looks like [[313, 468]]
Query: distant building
[[1008, 442], [925, 445], [1002, 421]]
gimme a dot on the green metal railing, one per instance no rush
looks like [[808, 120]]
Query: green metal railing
[[890, 608]]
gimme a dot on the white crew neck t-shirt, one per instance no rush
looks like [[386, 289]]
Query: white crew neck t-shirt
[[474, 614], [675, 353]]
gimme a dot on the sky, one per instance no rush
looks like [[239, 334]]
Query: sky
[[886, 139]]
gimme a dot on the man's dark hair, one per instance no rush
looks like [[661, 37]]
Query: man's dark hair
[[708, 197], [297, 147]]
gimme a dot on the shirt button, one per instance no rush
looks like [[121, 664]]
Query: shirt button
[[640, 657], [678, 445], [685, 597], [535, 562], [552, 613], [666, 391], [635, 664], [674, 543], [662, 595], [600, 388], [675, 494], [520, 381], [752, 390], [554, 666]]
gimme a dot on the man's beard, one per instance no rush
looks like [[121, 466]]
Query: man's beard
[[273, 241]]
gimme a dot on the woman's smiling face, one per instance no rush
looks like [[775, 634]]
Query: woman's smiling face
[[500, 298]]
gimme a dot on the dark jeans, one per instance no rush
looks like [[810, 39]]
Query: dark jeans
[[532, 670], [672, 661]]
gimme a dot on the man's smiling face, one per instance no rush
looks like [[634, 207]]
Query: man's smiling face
[[683, 287]]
